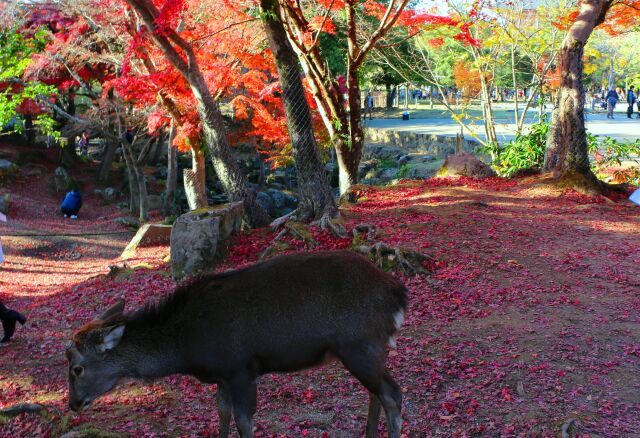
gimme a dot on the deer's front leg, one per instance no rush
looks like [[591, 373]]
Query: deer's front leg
[[225, 406]]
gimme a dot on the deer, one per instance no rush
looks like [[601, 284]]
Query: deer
[[282, 315]]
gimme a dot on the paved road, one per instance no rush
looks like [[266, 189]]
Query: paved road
[[620, 128]]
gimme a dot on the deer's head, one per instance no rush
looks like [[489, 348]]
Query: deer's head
[[93, 371]]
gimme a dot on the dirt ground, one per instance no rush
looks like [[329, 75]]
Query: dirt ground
[[530, 318]]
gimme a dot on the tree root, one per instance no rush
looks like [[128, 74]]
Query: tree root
[[331, 221], [295, 229], [277, 223], [27, 408], [371, 231], [588, 184], [405, 260]]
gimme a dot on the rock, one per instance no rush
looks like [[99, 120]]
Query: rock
[[194, 244], [388, 174], [4, 203], [7, 170], [283, 211], [230, 215], [277, 186], [154, 202], [281, 177], [329, 167], [279, 198], [423, 169], [109, 194], [371, 181], [33, 170], [291, 201], [218, 199], [148, 235], [266, 202], [196, 238], [128, 221], [371, 174], [62, 180], [465, 164]]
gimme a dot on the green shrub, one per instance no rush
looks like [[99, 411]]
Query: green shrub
[[404, 171], [611, 153], [526, 151]]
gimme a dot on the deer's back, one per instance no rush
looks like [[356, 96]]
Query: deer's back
[[288, 312]]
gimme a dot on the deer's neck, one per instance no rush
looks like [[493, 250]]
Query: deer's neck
[[149, 354]]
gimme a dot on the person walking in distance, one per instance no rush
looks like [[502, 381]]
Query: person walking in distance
[[368, 105], [612, 99], [631, 99]]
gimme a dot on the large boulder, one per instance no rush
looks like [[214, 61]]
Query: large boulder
[[230, 215], [388, 174], [62, 180], [266, 202], [196, 238], [465, 164], [279, 198], [148, 235]]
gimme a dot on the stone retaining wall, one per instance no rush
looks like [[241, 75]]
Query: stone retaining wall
[[438, 145]]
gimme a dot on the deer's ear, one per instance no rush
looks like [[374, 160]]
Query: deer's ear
[[113, 311], [111, 337]]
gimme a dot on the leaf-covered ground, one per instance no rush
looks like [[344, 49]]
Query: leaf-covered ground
[[530, 318]]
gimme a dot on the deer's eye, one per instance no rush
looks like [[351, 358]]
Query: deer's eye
[[77, 370]]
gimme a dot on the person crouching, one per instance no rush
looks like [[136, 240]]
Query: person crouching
[[71, 204]]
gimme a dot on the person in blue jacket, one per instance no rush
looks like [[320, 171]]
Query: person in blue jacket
[[71, 204]]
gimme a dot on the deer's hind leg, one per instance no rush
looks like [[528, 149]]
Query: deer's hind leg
[[244, 395], [225, 408], [366, 361]]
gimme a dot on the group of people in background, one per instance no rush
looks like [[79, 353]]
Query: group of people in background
[[609, 99]]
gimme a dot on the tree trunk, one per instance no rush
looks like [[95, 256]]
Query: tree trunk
[[137, 183], [156, 153], [134, 187], [172, 174], [29, 131], [487, 113], [143, 200], [222, 157], [567, 152], [214, 131], [349, 153], [313, 186], [194, 181], [107, 161], [516, 110], [392, 90]]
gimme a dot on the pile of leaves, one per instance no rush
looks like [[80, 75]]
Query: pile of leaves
[[528, 323]]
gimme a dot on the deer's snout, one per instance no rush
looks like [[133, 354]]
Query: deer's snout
[[79, 405]]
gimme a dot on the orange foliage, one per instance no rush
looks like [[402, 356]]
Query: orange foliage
[[467, 79]]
